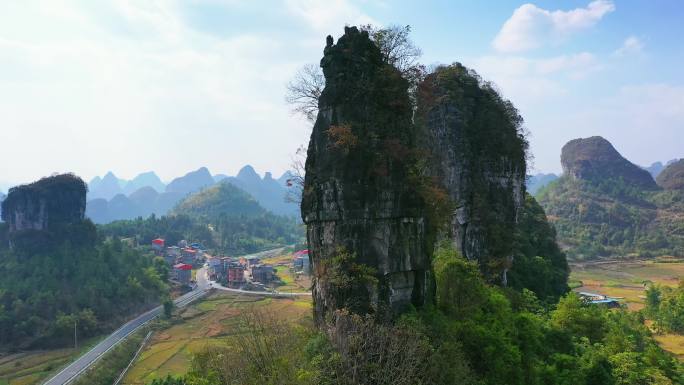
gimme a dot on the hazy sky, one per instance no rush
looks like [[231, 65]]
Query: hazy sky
[[130, 86]]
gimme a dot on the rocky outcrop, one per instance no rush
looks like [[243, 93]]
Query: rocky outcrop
[[45, 204], [478, 155], [358, 197], [595, 159], [672, 177]]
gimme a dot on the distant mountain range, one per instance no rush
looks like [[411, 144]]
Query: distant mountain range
[[656, 168], [538, 181], [111, 198]]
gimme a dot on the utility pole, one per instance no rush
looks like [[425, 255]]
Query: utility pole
[[75, 340]]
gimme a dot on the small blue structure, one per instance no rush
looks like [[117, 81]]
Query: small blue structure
[[599, 299]]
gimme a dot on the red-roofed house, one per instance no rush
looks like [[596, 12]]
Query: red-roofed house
[[158, 246], [183, 273]]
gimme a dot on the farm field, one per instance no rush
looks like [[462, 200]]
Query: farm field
[[31, 368], [210, 322], [290, 280], [625, 279]]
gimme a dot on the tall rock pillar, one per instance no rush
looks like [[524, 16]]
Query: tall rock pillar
[[358, 197]]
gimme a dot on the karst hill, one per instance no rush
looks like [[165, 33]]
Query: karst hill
[[605, 206], [672, 177], [390, 174]]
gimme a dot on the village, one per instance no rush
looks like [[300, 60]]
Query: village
[[245, 273]]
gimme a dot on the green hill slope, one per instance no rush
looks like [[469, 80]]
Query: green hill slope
[[604, 206], [222, 217], [220, 199]]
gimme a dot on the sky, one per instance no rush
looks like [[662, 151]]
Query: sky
[[131, 86]]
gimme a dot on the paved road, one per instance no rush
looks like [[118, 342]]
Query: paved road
[[69, 373], [274, 293], [72, 371]]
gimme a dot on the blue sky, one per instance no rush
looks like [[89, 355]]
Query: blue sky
[[170, 86]]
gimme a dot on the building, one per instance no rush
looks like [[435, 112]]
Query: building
[[182, 273], [301, 261], [248, 262], [236, 274], [173, 251], [262, 273], [188, 255], [214, 267], [158, 246]]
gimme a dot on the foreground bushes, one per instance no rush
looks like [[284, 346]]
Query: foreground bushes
[[475, 334]]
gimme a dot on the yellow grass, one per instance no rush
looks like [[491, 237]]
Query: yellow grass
[[210, 322], [626, 279], [673, 343], [33, 367], [629, 280]]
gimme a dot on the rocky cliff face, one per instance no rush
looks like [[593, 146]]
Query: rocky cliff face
[[384, 184], [45, 204], [478, 156], [672, 177], [595, 159], [358, 196]]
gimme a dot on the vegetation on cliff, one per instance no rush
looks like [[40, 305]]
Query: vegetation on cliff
[[538, 263], [65, 274], [478, 150]]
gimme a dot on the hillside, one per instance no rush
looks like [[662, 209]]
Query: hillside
[[672, 177], [222, 217], [221, 199], [604, 205], [58, 271]]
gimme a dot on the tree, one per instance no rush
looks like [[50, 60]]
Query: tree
[[397, 49], [168, 307], [304, 90]]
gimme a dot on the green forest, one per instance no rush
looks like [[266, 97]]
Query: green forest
[[95, 285], [475, 333], [614, 218]]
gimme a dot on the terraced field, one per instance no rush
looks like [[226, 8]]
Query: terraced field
[[210, 322]]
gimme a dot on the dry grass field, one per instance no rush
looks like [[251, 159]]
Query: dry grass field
[[210, 322], [31, 368], [626, 279]]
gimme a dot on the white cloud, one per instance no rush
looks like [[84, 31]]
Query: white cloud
[[532, 27], [528, 81], [140, 90], [328, 16], [631, 45]]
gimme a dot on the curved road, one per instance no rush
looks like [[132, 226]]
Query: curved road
[[79, 366]]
